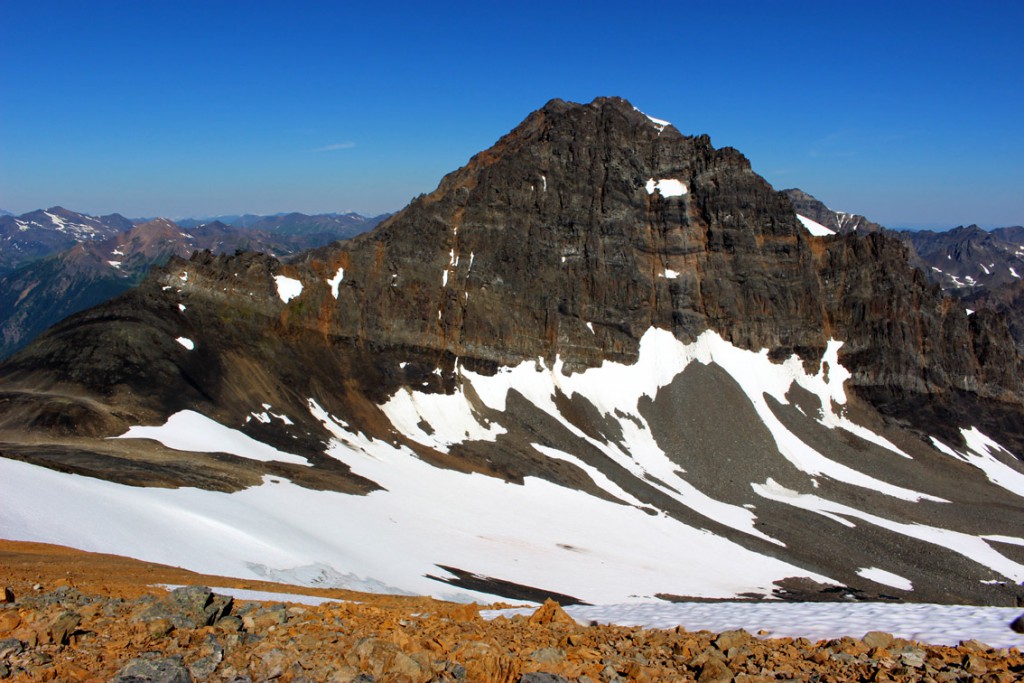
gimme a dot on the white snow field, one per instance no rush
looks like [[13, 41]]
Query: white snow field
[[191, 431], [537, 534], [814, 227]]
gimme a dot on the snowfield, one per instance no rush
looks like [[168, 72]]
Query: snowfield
[[815, 228], [191, 431]]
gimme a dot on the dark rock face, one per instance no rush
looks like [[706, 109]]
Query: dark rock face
[[908, 347], [553, 228], [984, 269], [1007, 300], [41, 233]]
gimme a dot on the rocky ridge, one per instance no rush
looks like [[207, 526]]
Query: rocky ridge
[[840, 222], [968, 258], [44, 291], [45, 232], [982, 268]]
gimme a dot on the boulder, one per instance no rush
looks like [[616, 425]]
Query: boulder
[[154, 670], [551, 613]]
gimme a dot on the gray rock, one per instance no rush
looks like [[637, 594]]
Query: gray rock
[[454, 670], [190, 607], [1018, 624], [218, 608], [912, 657], [62, 628], [191, 601], [877, 639], [201, 669], [210, 656], [10, 647], [538, 677], [154, 670]]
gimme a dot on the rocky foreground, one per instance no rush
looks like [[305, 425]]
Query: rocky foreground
[[71, 616]]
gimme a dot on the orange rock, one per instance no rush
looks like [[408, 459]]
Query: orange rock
[[551, 613], [9, 620], [468, 612]]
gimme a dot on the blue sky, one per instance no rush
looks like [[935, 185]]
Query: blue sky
[[909, 113]]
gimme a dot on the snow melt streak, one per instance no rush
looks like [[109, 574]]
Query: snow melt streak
[[334, 282]]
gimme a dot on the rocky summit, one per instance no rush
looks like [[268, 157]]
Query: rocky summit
[[602, 361]]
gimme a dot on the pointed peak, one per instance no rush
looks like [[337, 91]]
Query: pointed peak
[[618, 105]]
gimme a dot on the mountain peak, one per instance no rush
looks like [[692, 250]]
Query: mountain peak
[[623, 322]]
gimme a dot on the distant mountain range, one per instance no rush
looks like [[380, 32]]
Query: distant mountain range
[[45, 232], [57, 262], [967, 258]]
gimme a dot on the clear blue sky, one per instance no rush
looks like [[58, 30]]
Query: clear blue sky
[[910, 113]]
